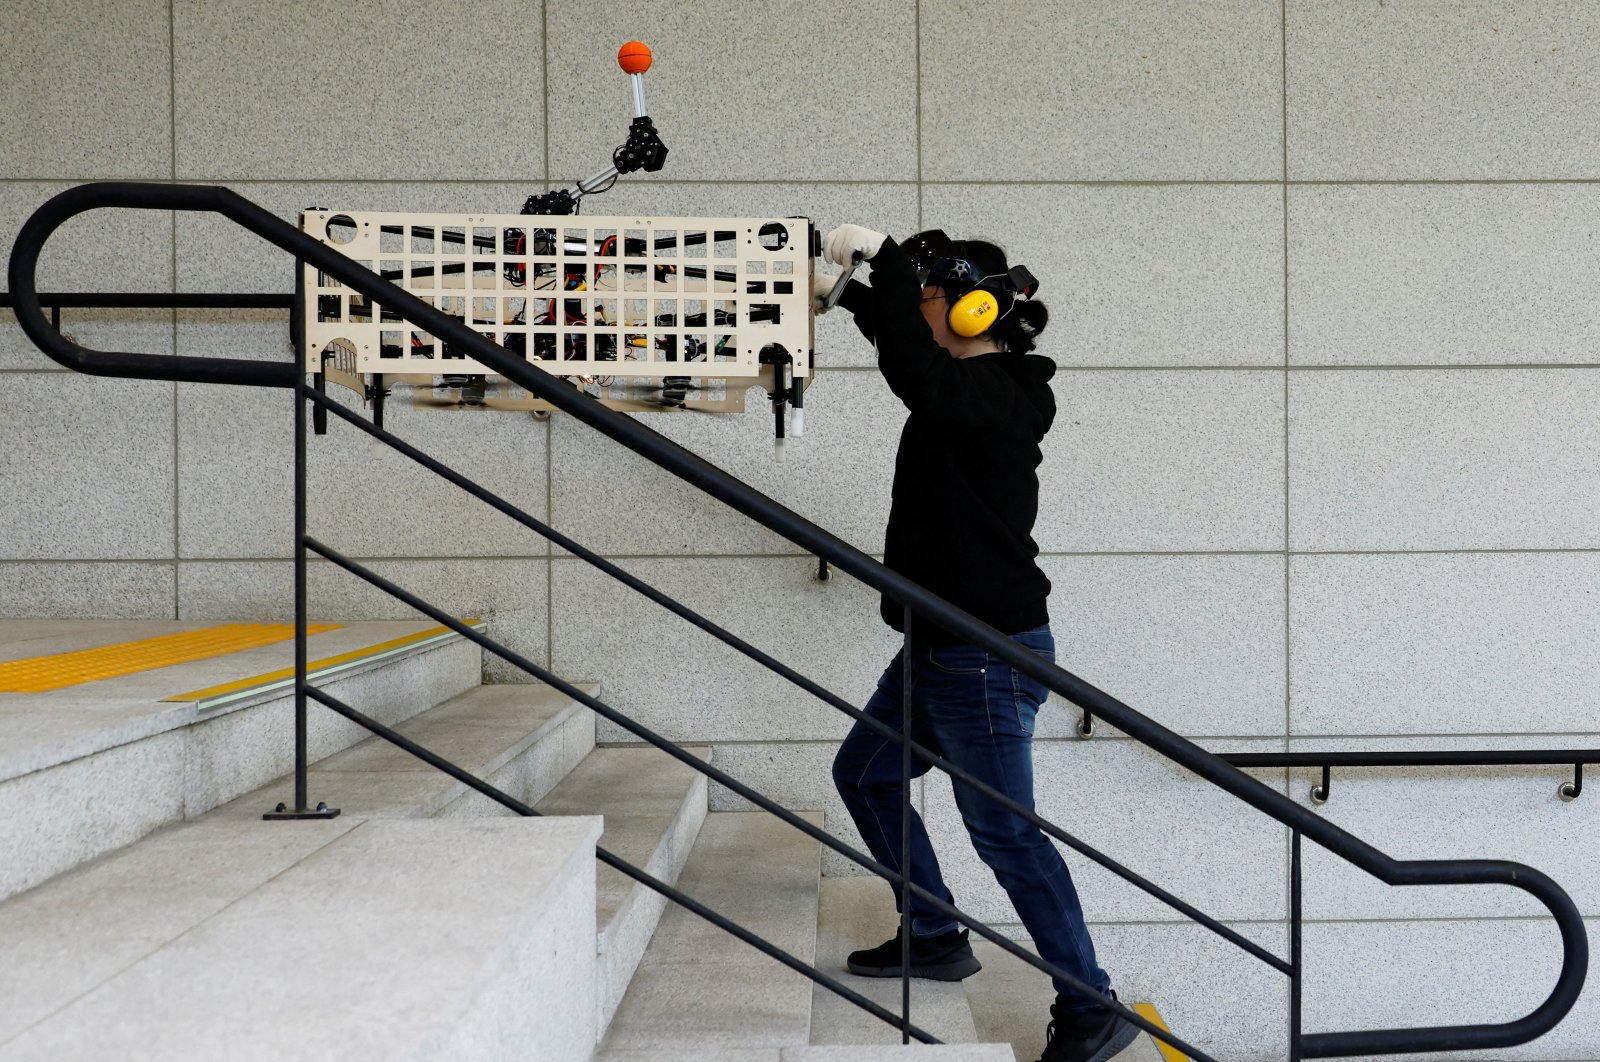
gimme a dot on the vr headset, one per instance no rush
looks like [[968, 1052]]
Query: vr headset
[[977, 296]]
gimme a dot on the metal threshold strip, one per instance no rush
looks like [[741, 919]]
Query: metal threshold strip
[[217, 696]]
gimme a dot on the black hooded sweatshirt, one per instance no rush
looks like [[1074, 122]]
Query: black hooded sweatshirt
[[966, 488]]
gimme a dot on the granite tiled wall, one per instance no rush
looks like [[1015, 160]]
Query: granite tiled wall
[[1320, 274]]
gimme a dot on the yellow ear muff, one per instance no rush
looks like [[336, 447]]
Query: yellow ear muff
[[973, 313]]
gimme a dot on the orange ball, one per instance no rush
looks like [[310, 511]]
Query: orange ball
[[634, 57]]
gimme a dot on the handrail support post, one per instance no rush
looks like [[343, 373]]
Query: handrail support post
[[1319, 793], [1295, 962], [300, 810]]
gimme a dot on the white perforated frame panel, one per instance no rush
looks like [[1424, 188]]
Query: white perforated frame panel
[[590, 296]]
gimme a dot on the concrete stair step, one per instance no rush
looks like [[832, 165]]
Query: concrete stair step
[[346, 939], [75, 935], [89, 768], [523, 739], [913, 1053], [1011, 1003], [653, 807], [704, 994], [858, 912], [903, 1053]]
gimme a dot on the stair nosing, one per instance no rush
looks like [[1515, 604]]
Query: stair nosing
[[34, 759]]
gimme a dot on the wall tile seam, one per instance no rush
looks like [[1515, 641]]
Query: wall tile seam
[[1306, 920], [161, 560], [1520, 735], [549, 433], [1050, 739], [93, 178], [1291, 838], [916, 36], [1509, 551], [177, 435], [1042, 739], [1362, 182], [1436, 919], [1510, 366], [373, 558], [1063, 369], [1067, 368], [1068, 739], [521, 178], [799, 555], [1183, 182]]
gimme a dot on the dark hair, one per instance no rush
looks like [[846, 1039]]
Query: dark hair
[[1020, 319]]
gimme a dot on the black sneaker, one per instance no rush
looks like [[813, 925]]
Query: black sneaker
[[1086, 1035], [946, 957]]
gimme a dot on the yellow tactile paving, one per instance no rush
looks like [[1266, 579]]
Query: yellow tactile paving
[[1148, 1012], [213, 692], [39, 674]]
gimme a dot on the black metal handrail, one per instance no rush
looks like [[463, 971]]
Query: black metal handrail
[[303, 690], [612, 860], [765, 511], [1419, 758], [737, 787], [1325, 760], [784, 671]]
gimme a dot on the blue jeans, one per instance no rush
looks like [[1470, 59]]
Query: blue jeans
[[977, 712]]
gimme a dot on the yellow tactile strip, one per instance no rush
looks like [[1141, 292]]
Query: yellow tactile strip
[[40, 674], [214, 694], [1148, 1012]]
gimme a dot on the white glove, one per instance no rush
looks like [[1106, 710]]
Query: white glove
[[821, 284], [841, 245]]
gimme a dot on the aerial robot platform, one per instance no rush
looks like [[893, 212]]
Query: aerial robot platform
[[621, 305], [644, 313]]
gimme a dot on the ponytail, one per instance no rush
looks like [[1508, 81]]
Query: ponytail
[[1017, 329]]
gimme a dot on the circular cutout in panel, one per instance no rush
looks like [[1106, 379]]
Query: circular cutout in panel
[[774, 237], [341, 228]]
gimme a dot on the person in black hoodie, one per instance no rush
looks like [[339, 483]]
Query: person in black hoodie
[[965, 496]]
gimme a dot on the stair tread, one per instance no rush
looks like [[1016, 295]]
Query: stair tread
[[40, 730], [912, 1053], [76, 931], [702, 991], [476, 727], [639, 792], [123, 905], [335, 968], [758, 871], [858, 912], [1011, 1001], [697, 1054], [479, 730], [89, 769], [908, 1052]]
